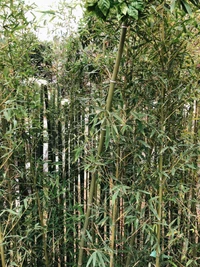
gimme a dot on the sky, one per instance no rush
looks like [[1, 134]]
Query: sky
[[45, 21]]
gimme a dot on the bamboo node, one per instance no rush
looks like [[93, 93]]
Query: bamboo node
[[111, 81]]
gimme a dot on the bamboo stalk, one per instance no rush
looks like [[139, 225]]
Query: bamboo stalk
[[43, 226], [113, 234], [102, 138], [161, 181], [128, 260], [39, 154], [160, 163], [2, 249], [195, 190], [160, 197], [114, 215]]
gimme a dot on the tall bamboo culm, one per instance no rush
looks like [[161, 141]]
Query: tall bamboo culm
[[101, 141]]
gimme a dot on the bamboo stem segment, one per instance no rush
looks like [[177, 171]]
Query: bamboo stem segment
[[2, 249]]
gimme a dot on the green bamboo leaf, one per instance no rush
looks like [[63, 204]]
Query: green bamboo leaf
[[14, 123], [145, 144], [163, 149], [12, 212], [172, 6], [173, 264], [104, 6], [13, 264], [138, 115], [115, 195], [191, 166], [107, 138], [126, 128], [118, 117], [137, 5], [91, 3], [145, 192], [94, 256], [195, 2], [133, 12], [7, 114], [115, 131], [89, 261], [48, 12], [101, 260], [78, 152], [124, 8], [103, 221], [92, 259], [189, 262], [21, 27], [173, 171], [166, 256], [186, 7], [89, 236], [153, 254], [25, 203]]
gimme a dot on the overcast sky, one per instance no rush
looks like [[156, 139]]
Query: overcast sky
[[44, 5]]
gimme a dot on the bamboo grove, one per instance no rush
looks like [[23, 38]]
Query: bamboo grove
[[100, 138]]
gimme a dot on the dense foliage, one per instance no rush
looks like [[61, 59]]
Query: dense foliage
[[100, 161]]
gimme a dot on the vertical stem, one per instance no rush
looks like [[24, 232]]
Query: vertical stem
[[11, 3], [102, 138], [128, 260], [160, 163], [2, 249], [160, 190], [160, 197], [114, 215], [196, 178], [44, 237], [113, 232]]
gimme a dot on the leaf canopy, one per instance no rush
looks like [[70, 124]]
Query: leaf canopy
[[103, 8], [133, 8]]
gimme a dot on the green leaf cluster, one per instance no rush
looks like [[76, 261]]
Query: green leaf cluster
[[121, 9]]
